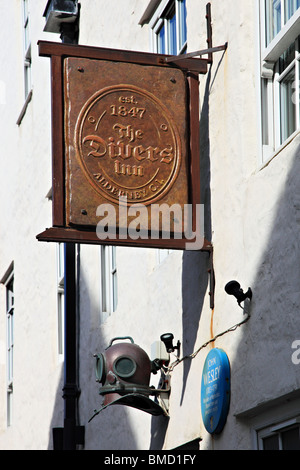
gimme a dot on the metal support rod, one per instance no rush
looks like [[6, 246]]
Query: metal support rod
[[209, 32], [175, 58], [209, 51]]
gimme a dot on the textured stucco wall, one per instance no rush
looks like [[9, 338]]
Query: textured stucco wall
[[25, 179], [251, 216], [255, 227]]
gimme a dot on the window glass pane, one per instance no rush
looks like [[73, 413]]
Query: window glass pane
[[290, 439], [287, 58], [182, 26], [113, 258], [114, 278], [115, 291], [26, 25], [172, 33], [271, 443], [60, 260], [273, 19], [104, 300], [60, 322], [9, 345], [161, 48], [290, 7], [287, 105], [25, 8]]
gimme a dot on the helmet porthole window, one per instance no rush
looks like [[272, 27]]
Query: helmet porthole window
[[124, 366], [100, 368]]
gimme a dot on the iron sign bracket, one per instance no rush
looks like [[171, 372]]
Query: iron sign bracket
[[209, 51], [177, 58]]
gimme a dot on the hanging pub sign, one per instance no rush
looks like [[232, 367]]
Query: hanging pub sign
[[125, 148]]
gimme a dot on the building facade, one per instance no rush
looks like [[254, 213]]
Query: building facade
[[249, 178]]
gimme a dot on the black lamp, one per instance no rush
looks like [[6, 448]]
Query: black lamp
[[167, 339], [234, 288]]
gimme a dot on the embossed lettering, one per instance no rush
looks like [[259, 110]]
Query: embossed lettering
[[166, 155], [121, 168], [128, 132], [95, 143], [127, 99], [125, 151], [128, 144], [124, 111]]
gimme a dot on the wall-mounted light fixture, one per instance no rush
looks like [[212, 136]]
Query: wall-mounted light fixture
[[234, 288], [167, 339], [62, 17]]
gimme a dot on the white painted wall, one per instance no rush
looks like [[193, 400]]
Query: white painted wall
[[25, 179], [252, 217]]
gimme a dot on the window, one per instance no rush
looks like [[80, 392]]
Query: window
[[8, 282], [287, 69], [168, 25], [60, 298], [168, 36], [280, 56], [282, 436], [27, 49], [109, 282], [10, 343], [278, 13]]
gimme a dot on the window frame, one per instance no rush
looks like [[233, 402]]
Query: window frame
[[288, 31], [272, 416], [108, 281], [162, 19], [60, 266], [279, 78], [8, 281], [10, 344], [277, 430], [271, 80], [26, 48]]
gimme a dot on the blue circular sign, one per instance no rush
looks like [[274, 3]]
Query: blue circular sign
[[215, 390]]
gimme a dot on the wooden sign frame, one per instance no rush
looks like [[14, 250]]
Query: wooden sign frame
[[58, 52]]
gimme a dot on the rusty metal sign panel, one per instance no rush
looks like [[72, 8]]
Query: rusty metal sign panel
[[126, 138], [125, 147]]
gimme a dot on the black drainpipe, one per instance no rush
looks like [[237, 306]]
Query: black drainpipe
[[71, 435], [71, 390]]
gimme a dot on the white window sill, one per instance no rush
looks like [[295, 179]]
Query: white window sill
[[23, 110], [273, 154], [283, 39]]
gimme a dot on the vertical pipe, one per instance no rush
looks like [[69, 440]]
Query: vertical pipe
[[69, 34], [70, 390]]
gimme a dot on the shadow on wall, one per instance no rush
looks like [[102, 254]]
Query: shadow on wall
[[266, 350], [111, 429], [195, 267], [196, 264]]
